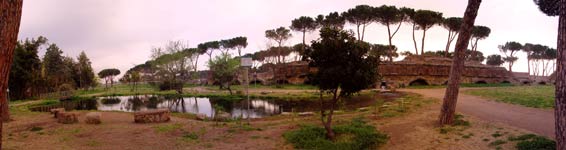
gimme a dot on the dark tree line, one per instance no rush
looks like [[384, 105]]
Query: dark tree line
[[31, 76]]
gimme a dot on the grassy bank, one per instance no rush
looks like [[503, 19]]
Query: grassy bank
[[529, 96]]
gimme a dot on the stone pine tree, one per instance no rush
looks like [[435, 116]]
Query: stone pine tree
[[344, 68], [426, 19], [332, 20], [558, 8], [451, 95], [451, 24], [108, 75], [303, 24], [510, 49], [240, 43], [360, 16], [478, 33], [10, 16], [409, 14], [387, 16]]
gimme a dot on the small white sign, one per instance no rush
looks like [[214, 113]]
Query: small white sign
[[246, 62]]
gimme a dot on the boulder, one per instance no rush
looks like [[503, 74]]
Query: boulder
[[222, 116], [202, 117], [67, 117], [93, 118], [56, 111], [152, 116]]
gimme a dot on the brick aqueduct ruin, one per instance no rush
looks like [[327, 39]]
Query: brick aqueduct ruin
[[413, 70]]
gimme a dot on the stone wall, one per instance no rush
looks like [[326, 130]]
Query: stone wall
[[404, 74]]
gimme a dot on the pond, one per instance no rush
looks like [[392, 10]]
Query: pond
[[258, 108]]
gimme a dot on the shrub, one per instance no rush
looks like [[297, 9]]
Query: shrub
[[497, 142], [538, 143], [170, 85], [356, 135], [110, 101]]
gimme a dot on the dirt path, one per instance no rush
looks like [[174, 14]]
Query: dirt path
[[536, 120]]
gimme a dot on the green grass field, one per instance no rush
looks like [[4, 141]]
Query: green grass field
[[530, 96]]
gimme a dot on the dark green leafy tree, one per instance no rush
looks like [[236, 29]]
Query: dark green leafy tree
[[474, 56], [54, 67], [224, 69], [344, 68], [85, 72], [300, 49], [558, 8], [494, 60], [25, 74], [108, 75], [383, 52], [451, 24], [303, 24], [387, 16], [426, 19], [360, 16], [510, 49], [332, 20], [71, 74]]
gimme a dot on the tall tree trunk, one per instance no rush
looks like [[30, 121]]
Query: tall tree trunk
[[528, 64], [358, 29], [328, 123], [10, 16], [390, 43], [363, 31], [560, 102], [414, 40], [304, 32], [451, 96], [196, 63], [448, 44], [423, 41]]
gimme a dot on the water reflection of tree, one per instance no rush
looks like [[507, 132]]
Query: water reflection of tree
[[134, 103], [175, 103], [227, 105], [86, 104], [109, 101]]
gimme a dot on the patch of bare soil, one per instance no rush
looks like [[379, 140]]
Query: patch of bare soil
[[420, 130], [414, 130]]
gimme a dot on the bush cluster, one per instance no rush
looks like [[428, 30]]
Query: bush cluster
[[353, 136]]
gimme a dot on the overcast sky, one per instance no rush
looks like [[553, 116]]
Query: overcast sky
[[120, 33]]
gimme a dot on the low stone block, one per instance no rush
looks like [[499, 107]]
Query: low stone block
[[222, 116], [56, 111], [93, 118], [68, 117], [202, 117], [152, 116]]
